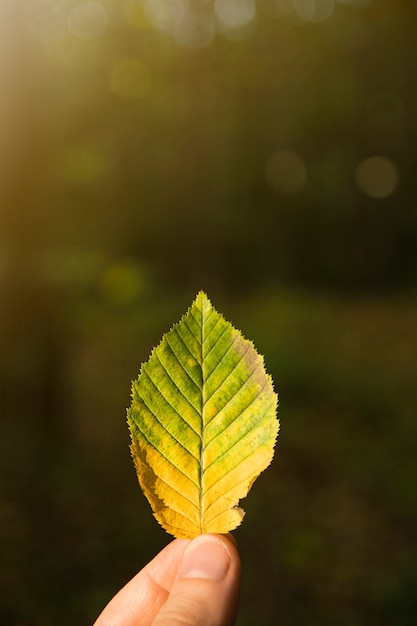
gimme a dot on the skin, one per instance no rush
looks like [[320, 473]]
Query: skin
[[189, 583]]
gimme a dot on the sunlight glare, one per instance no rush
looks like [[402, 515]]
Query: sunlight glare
[[234, 13], [49, 27], [377, 177], [314, 10], [164, 14], [195, 28]]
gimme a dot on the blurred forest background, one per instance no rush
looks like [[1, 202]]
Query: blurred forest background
[[261, 150]]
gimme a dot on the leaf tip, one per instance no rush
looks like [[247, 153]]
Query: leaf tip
[[202, 298]]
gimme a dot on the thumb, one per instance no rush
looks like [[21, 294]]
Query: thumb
[[206, 589]]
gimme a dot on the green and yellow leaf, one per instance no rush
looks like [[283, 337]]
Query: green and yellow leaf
[[202, 422]]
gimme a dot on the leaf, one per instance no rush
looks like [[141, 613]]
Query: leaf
[[203, 423]]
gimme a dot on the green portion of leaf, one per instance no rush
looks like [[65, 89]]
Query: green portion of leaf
[[203, 423]]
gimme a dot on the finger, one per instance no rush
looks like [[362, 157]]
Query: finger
[[141, 598], [205, 591]]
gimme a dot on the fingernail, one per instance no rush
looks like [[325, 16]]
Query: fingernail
[[205, 557]]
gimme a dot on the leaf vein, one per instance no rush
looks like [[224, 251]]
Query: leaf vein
[[188, 350], [165, 429], [240, 482], [224, 493], [176, 385], [215, 344], [211, 330], [169, 403], [233, 396], [169, 486], [239, 414], [242, 356], [152, 445], [182, 366], [248, 430], [190, 329]]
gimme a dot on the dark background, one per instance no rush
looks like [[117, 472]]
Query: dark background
[[265, 153]]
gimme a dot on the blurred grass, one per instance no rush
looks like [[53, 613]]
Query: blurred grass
[[329, 535]]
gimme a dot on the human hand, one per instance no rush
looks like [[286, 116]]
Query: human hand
[[189, 583]]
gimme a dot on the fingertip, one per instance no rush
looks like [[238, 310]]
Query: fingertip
[[206, 590], [231, 538], [206, 557], [229, 541]]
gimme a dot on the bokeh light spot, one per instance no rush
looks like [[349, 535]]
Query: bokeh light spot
[[234, 13], [195, 29], [285, 172], [130, 79], [164, 13], [88, 20], [377, 177], [314, 10]]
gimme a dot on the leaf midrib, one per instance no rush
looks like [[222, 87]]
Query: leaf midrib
[[202, 419]]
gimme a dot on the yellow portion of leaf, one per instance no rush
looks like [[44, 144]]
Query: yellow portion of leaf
[[203, 423]]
